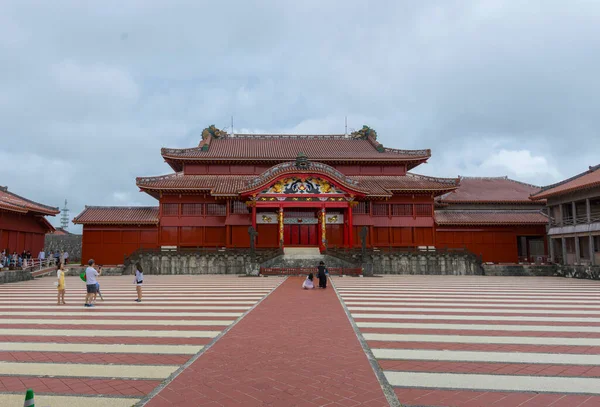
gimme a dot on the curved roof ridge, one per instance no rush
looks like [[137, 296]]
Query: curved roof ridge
[[121, 207], [282, 136], [158, 177], [499, 178], [590, 170], [456, 181], [280, 169], [51, 209]]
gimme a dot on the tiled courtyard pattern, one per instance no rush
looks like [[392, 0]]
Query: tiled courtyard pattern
[[482, 341], [297, 348], [116, 353], [441, 341]]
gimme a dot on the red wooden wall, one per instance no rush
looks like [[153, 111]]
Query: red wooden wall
[[399, 236], [20, 232], [192, 221], [110, 244], [497, 244]]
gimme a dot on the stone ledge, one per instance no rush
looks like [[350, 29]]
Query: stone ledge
[[519, 270], [13, 276]]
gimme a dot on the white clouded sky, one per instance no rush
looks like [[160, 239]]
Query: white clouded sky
[[90, 91]]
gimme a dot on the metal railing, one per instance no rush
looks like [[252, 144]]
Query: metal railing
[[578, 220], [539, 259], [287, 271], [27, 264]]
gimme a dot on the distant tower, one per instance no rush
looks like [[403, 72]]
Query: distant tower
[[64, 217]]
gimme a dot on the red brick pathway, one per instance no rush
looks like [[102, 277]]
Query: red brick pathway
[[297, 348]]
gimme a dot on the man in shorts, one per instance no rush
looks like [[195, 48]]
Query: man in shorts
[[91, 281]]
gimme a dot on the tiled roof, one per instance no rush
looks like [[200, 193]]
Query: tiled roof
[[118, 215], [384, 185], [286, 147], [490, 190], [229, 185], [505, 217], [585, 180], [15, 203]]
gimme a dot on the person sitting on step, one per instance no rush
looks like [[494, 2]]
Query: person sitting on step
[[308, 283]]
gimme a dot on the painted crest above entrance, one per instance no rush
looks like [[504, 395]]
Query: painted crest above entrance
[[302, 177], [296, 185]]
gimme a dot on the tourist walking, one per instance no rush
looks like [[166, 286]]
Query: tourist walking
[[308, 283], [98, 292], [66, 257], [322, 275], [60, 274], [138, 281], [91, 282]]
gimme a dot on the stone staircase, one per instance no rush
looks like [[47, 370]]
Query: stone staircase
[[295, 257]]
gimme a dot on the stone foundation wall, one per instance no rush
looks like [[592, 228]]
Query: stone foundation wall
[[426, 263], [69, 243], [195, 263], [13, 276], [586, 272], [413, 262], [523, 270]]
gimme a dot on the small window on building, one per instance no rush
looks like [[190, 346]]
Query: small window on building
[[380, 209], [597, 244], [216, 209], [423, 210], [170, 209], [402, 210], [239, 208], [192, 209], [362, 208]]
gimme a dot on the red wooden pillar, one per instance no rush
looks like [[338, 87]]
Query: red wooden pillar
[[346, 238], [254, 216], [281, 227], [322, 229], [350, 226]]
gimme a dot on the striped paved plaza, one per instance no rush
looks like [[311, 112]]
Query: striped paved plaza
[[481, 341], [117, 352]]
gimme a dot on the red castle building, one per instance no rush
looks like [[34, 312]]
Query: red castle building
[[23, 225], [294, 190], [493, 217]]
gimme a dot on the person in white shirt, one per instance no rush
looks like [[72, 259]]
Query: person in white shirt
[[66, 257], [41, 255], [138, 281], [91, 282], [308, 283]]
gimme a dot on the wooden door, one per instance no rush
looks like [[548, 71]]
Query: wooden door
[[300, 235]]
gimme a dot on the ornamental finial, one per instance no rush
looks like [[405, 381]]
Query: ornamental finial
[[364, 133], [302, 161]]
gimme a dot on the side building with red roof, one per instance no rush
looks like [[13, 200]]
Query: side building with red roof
[[23, 225], [574, 218], [293, 190], [493, 217]]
